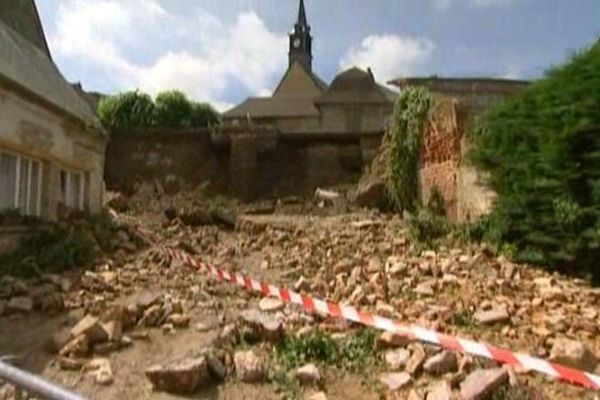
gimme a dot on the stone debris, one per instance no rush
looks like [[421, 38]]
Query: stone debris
[[91, 328], [416, 360], [254, 326], [439, 391], [493, 316], [389, 340], [76, 347], [20, 304], [396, 359], [573, 354], [249, 367], [216, 367], [441, 363], [179, 376], [317, 396], [482, 383], [395, 380], [271, 304], [308, 374], [179, 320], [101, 371]]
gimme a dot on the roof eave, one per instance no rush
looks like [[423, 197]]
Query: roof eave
[[89, 125]]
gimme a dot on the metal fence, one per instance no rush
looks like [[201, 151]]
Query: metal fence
[[25, 382]]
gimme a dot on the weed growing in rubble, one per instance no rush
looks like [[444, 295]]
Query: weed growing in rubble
[[426, 227], [463, 319], [352, 353], [286, 383]]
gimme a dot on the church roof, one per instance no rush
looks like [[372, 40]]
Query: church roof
[[27, 66], [298, 81], [356, 86], [273, 107]]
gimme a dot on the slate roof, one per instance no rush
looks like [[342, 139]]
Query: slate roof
[[22, 16], [28, 67], [271, 107], [356, 86]]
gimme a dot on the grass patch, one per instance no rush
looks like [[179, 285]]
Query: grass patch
[[464, 319], [352, 353]]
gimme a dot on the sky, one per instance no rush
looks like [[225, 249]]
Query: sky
[[222, 51]]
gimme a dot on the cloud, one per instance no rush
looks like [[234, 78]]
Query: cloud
[[443, 5], [389, 56], [126, 44]]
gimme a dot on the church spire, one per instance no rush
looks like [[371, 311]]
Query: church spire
[[301, 41], [302, 14]]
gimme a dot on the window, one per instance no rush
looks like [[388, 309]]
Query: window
[[20, 184], [72, 186]]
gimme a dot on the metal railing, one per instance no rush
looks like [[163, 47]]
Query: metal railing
[[25, 382]]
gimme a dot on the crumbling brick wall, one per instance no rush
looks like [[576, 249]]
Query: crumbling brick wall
[[441, 153]]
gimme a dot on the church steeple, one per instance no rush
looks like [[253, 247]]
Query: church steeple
[[302, 14], [301, 40]]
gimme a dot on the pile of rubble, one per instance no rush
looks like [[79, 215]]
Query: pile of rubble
[[363, 260], [19, 296]]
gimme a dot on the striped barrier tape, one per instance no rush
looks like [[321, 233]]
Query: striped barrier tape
[[314, 305]]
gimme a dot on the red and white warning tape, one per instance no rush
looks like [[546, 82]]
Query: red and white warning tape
[[315, 305], [312, 304]]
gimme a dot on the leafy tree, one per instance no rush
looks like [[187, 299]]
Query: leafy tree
[[542, 150], [204, 115], [173, 110], [126, 111]]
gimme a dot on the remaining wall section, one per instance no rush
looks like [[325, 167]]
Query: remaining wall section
[[174, 159], [248, 164]]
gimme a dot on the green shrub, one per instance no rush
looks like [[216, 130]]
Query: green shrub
[[406, 132], [126, 111], [542, 150], [61, 246]]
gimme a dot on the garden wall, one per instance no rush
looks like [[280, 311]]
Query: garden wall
[[248, 164], [175, 159]]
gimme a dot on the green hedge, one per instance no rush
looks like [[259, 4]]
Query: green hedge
[[542, 150], [171, 109]]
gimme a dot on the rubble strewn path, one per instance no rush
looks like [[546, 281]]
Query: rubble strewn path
[[141, 326]]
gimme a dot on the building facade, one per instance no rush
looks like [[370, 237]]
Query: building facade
[[51, 143]]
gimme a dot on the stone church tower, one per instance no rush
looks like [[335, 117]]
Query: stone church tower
[[301, 40]]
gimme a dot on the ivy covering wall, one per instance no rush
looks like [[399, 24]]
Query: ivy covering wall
[[406, 134]]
